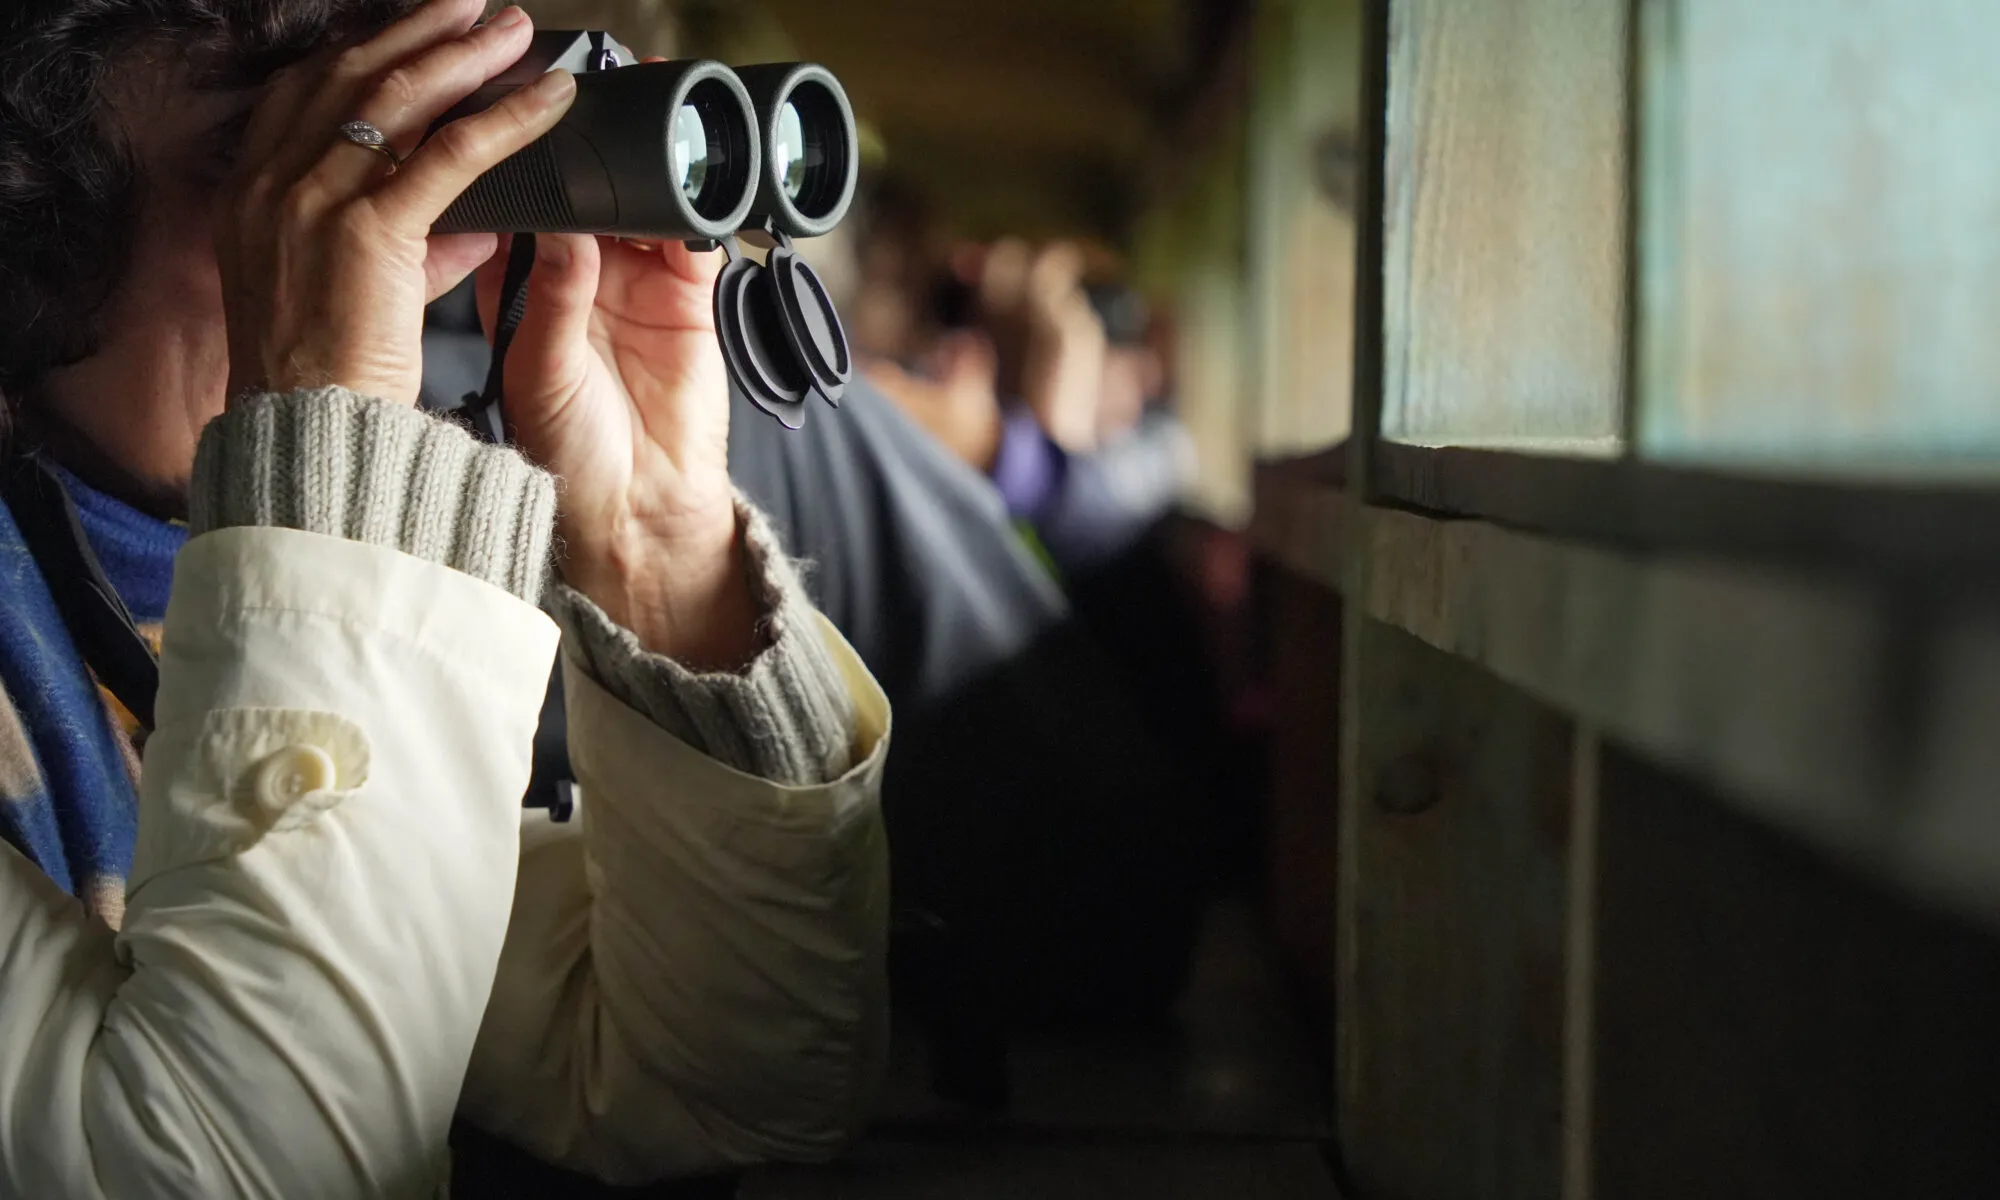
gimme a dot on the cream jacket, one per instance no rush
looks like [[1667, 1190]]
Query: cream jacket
[[341, 926]]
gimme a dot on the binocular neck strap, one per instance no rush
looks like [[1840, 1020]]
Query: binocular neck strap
[[483, 410]]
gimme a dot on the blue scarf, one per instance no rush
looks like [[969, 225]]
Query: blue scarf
[[68, 799]]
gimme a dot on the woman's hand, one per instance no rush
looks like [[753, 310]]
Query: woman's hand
[[615, 382], [327, 259]]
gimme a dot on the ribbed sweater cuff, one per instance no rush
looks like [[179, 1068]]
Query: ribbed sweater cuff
[[787, 716], [327, 460]]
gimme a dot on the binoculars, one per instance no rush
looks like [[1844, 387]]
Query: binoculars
[[690, 151]]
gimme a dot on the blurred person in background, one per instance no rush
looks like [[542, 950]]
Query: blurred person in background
[[1056, 391], [1117, 688], [1087, 454], [316, 925]]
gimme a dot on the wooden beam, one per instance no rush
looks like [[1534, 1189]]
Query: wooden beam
[[1504, 272], [1853, 714], [1451, 998], [1580, 921], [1937, 530], [1350, 562]]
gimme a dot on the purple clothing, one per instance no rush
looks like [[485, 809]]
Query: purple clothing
[[1029, 468], [1089, 508]]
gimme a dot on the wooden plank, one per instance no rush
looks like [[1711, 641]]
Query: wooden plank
[[1298, 517], [1349, 466], [1451, 1071], [1937, 529], [1580, 915], [1796, 693], [1821, 219], [1301, 240], [1854, 713], [1210, 359], [1371, 269], [1506, 224], [1769, 1025]]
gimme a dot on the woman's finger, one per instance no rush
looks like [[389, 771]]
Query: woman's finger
[[462, 151], [424, 27], [290, 131], [276, 116], [405, 101], [550, 347], [668, 287], [451, 257]]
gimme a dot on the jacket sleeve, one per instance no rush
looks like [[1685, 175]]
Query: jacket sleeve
[[326, 858], [694, 977]]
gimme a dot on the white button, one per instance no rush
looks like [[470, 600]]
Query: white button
[[287, 776]]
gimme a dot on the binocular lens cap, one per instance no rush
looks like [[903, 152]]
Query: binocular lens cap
[[812, 324], [754, 345], [781, 336]]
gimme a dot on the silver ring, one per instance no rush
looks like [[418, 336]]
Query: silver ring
[[368, 137]]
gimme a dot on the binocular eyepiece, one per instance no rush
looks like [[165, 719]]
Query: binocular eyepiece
[[689, 151]]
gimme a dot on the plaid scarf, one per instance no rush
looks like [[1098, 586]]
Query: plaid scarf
[[68, 751]]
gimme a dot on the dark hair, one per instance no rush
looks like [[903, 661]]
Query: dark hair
[[67, 194]]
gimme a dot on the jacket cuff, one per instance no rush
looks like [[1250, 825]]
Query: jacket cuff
[[330, 461], [787, 717]]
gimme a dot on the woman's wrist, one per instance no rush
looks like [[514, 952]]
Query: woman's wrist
[[788, 716], [689, 599]]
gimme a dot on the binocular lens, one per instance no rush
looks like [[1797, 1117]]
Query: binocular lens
[[796, 157], [712, 149], [808, 142], [690, 156], [811, 145]]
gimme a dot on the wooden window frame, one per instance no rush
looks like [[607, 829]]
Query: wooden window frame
[[1897, 582], [1948, 531]]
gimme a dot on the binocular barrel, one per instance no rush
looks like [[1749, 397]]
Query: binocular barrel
[[811, 159], [675, 151]]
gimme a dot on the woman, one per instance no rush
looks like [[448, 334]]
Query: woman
[[302, 944]]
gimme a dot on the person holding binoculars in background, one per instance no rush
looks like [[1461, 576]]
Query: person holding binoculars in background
[[318, 926]]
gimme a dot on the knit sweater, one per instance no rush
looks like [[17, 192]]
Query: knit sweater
[[332, 462]]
